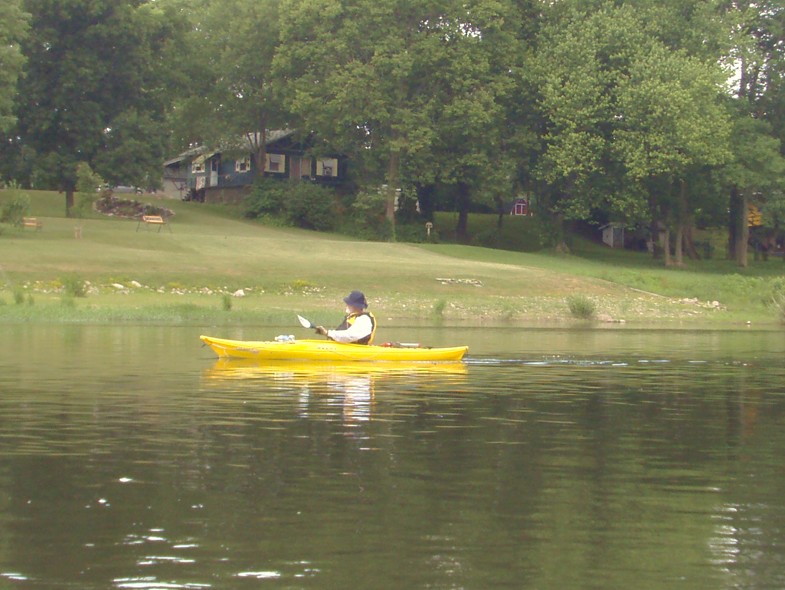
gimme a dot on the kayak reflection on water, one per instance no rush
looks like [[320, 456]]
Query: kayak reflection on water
[[350, 385]]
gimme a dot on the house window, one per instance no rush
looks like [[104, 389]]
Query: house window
[[198, 166], [327, 167], [276, 163], [243, 165]]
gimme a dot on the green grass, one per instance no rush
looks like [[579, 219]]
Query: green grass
[[190, 274]]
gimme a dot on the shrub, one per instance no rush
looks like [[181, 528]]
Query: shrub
[[778, 303], [778, 299], [87, 182], [74, 286], [438, 308], [299, 204], [19, 295], [415, 232], [311, 206], [367, 218], [226, 302], [15, 209], [581, 307], [267, 198]]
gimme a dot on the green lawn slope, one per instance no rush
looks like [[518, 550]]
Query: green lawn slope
[[216, 267]]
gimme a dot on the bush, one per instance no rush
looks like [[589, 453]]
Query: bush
[[299, 204], [87, 182], [581, 307], [267, 198], [74, 286], [438, 308], [15, 209], [19, 295], [226, 302], [367, 219], [311, 206], [415, 233], [778, 303]]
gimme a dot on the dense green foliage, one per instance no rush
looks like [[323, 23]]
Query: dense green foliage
[[15, 209], [94, 89], [299, 204], [13, 29], [663, 115]]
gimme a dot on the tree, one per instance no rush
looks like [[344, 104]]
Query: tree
[[355, 71], [477, 84], [626, 112], [232, 94], [13, 29], [756, 169], [672, 124], [756, 54], [95, 91], [403, 87]]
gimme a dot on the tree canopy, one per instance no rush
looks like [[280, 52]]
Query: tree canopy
[[13, 30], [94, 90], [637, 112]]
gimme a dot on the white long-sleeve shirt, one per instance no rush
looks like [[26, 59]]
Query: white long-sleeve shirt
[[362, 327]]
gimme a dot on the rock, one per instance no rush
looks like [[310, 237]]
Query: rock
[[238, 293], [118, 286], [136, 284]]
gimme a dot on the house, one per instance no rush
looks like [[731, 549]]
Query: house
[[227, 175], [613, 235]]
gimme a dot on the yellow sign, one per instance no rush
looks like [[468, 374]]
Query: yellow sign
[[754, 218]]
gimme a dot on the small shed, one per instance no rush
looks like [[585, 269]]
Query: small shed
[[520, 206], [613, 235]]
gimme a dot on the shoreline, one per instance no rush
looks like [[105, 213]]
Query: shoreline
[[177, 307]]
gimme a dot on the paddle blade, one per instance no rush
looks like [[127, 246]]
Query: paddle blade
[[304, 323]]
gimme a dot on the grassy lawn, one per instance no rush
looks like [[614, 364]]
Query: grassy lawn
[[189, 275]]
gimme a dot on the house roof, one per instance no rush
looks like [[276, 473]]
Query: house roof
[[244, 143], [186, 155]]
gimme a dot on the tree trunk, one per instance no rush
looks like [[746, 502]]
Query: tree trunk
[[689, 241], [463, 200], [733, 215], [499, 211], [681, 223], [259, 144], [742, 231], [679, 245], [393, 172], [69, 201], [665, 244]]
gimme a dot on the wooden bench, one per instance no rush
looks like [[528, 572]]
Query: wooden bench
[[32, 222], [152, 220]]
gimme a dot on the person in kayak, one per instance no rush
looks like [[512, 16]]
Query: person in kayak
[[359, 325]]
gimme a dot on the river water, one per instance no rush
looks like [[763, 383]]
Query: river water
[[552, 458]]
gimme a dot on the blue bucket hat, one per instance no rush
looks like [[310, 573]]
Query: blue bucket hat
[[356, 299]]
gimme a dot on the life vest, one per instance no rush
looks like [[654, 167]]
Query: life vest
[[351, 318]]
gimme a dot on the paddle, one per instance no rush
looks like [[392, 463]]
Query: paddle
[[305, 323]]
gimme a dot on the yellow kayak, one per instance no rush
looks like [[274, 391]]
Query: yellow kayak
[[327, 350]]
